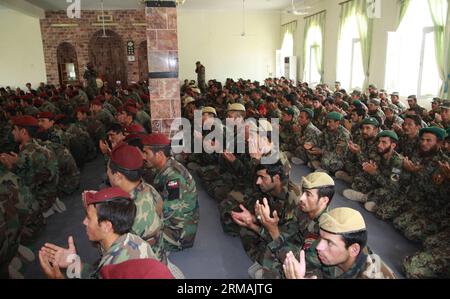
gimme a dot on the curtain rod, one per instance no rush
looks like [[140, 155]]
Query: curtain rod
[[345, 2], [317, 13], [295, 21]]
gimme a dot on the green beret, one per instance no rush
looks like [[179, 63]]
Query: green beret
[[308, 111], [440, 133], [334, 116], [388, 133], [289, 111], [357, 103], [371, 121]]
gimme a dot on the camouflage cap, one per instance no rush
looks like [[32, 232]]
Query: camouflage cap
[[316, 179], [438, 132], [445, 104], [209, 110], [308, 111], [356, 92], [104, 195], [395, 93], [236, 107], [388, 133], [370, 121], [436, 100], [373, 86], [342, 221], [334, 116], [375, 101], [392, 107]]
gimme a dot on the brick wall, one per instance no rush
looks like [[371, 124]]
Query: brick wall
[[127, 28]]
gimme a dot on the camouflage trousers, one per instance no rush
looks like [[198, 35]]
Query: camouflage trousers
[[301, 153], [431, 262], [416, 224], [231, 203], [253, 244], [217, 185], [180, 229], [332, 162]]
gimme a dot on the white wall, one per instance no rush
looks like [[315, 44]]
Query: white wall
[[381, 27], [213, 37], [21, 50]]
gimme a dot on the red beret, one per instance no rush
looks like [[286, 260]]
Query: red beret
[[132, 137], [99, 98], [127, 157], [54, 98], [60, 116], [97, 102], [43, 94], [155, 139], [145, 98], [136, 269], [134, 128], [131, 110], [38, 102], [82, 109], [27, 96], [25, 121], [48, 115], [130, 102], [104, 195], [120, 109]]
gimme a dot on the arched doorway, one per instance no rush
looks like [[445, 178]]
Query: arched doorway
[[143, 61], [67, 64], [107, 54]]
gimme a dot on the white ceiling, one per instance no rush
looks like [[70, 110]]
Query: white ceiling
[[189, 4]]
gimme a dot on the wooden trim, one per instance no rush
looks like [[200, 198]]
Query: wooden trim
[[288, 23]]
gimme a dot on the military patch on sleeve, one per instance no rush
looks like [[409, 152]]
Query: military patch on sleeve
[[395, 176], [173, 188]]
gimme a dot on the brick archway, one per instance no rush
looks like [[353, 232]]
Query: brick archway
[[108, 56], [67, 64]]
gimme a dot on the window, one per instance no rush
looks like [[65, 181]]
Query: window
[[411, 66], [287, 49], [350, 71], [313, 54]]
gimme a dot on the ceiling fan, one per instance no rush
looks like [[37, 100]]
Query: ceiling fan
[[294, 11], [244, 31]]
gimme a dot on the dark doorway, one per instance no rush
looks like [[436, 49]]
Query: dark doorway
[[107, 54], [143, 61], [67, 64]]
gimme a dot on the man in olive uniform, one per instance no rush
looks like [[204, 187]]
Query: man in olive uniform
[[90, 75], [287, 132], [178, 189], [341, 252], [412, 102], [201, 77], [307, 137], [101, 114], [409, 141], [48, 130], [395, 99]]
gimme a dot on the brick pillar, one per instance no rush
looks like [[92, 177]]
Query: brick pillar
[[162, 43]]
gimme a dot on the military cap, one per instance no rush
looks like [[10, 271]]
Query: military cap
[[131, 110], [133, 136], [375, 101], [155, 139], [100, 98], [48, 115], [342, 221], [145, 98], [289, 110], [445, 104], [412, 97], [59, 117], [338, 94], [136, 269], [236, 107], [438, 132], [135, 128], [308, 111], [188, 100], [127, 157], [337, 82], [104, 195], [82, 110], [38, 102], [373, 86], [209, 110], [357, 103], [436, 100], [392, 107], [196, 90], [97, 102], [370, 121], [264, 125], [334, 116], [316, 179], [25, 121], [130, 102], [356, 92], [42, 95], [396, 94], [388, 133]]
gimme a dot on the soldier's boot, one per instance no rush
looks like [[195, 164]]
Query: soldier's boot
[[355, 195], [297, 161], [254, 269], [344, 176], [193, 167], [371, 206], [14, 269], [26, 254]]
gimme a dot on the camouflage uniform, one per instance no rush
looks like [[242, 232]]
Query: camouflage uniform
[[286, 205], [369, 151], [433, 261], [287, 137], [181, 210], [105, 117], [30, 110], [80, 144], [378, 114], [319, 119], [305, 231], [126, 247], [115, 102], [401, 107], [7, 143], [69, 175], [408, 147], [148, 223], [49, 107], [334, 149], [308, 134], [426, 208], [388, 123]]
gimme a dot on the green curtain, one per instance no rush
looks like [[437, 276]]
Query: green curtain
[[403, 7], [312, 21], [439, 11], [358, 8]]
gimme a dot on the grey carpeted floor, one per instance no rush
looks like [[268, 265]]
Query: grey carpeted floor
[[214, 255]]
